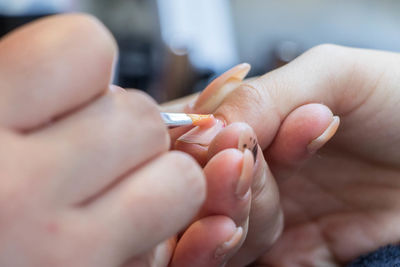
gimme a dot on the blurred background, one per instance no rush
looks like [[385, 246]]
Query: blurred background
[[172, 48]]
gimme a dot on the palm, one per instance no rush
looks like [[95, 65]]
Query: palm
[[336, 208], [344, 201]]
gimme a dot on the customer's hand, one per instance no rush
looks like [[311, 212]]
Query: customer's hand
[[345, 200], [257, 211], [86, 178]]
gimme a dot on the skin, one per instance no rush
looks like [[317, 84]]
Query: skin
[[51, 194], [342, 200], [78, 176], [86, 170]]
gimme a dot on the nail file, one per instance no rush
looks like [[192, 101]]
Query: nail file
[[182, 119]]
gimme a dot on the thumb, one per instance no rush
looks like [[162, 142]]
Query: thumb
[[340, 78]]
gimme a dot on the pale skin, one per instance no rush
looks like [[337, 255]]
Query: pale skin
[[344, 201], [86, 175], [72, 175]]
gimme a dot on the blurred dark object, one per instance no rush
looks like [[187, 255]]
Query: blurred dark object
[[388, 256], [9, 23], [284, 52], [161, 72], [135, 63], [177, 76]]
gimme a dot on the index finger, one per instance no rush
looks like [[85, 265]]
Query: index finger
[[52, 66]]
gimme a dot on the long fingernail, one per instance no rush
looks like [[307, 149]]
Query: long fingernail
[[213, 95], [321, 140], [228, 245], [202, 135], [248, 140], [246, 175]]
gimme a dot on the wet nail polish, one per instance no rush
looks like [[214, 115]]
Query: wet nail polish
[[203, 135], [227, 246], [321, 140], [245, 179]]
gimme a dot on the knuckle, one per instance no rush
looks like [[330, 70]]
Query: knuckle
[[91, 29], [141, 114], [256, 98], [191, 173], [324, 48], [88, 33], [325, 51], [249, 96], [143, 100]]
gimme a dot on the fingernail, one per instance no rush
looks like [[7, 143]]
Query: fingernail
[[248, 140], [227, 246], [116, 89], [202, 135], [321, 140], [213, 95], [246, 175]]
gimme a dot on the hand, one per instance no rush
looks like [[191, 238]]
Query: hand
[[261, 217], [229, 174], [344, 201], [85, 175]]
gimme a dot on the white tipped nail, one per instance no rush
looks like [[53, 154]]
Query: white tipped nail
[[230, 244], [321, 140], [215, 93]]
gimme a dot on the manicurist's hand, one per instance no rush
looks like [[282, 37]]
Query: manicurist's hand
[[86, 178], [339, 200]]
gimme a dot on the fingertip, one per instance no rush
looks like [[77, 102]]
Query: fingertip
[[89, 26], [321, 140], [291, 146], [229, 156], [237, 135], [229, 177], [207, 242], [84, 33], [197, 140], [197, 151], [196, 181], [77, 54]]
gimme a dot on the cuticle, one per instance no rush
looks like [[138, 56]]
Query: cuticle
[[221, 118]]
